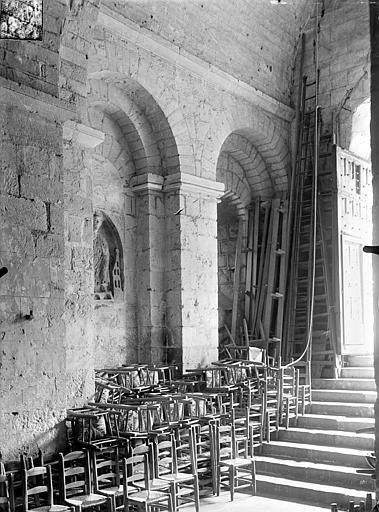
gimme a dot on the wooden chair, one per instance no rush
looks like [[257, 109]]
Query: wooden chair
[[289, 395], [204, 458], [270, 383], [15, 469], [182, 475], [107, 474], [136, 474], [37, 491], [5, 500], [75, 483], [232, 470]]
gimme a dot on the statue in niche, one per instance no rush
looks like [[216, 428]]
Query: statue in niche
[[108, 259], [101, 257]]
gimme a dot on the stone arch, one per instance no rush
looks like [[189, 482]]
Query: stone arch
[[143, 124], [253, 136], [237, 189]]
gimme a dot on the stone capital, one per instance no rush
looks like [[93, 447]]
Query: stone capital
[[83, 135], [147, 182], [188, 183]]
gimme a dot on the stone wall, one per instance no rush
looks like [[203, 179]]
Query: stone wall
[[258, 38], [42, 370], [32, 293], [138, 137], [344, 62]]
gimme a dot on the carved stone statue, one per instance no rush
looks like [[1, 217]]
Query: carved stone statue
[[101, 255]]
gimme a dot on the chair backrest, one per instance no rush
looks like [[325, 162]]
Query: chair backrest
[[37, 487], [74, 474], [5, 504], [164, 455], [185, 449], [135, 470], [223, 441], [106, 468]]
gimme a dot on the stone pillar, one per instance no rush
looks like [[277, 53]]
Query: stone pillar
[[150, 264], [192, 288], [79, 140]]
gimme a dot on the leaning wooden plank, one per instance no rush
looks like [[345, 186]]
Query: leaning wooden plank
[[229, 334], [246, 332], [254, 263], [249, 263], [265, 252], [272, 257], [237, 272], [259, 288]]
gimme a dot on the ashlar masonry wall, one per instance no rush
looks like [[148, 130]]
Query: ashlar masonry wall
[[155, 176], [40, 370]]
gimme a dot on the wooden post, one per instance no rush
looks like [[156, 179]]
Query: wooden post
[[237, 272], [249, 265], [351, 506], [333, 507]]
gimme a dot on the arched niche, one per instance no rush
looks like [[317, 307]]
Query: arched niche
[[108, 259]]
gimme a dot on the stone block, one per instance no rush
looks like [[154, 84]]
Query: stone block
[[24, 212], [49, 245], [41, 272], [46, 190]]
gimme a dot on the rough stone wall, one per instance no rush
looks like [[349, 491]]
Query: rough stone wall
[[344, 62], [36, 63], [227, 238], [42, 370], [258, 38], [32, 382], [172, 125]]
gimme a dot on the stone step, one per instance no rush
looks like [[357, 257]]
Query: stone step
[[314, 472], [334, 438], [344, 395], [307, 492], [309, 452], [358, 360], [357, 372], [342, 409], [341, 423], [357, 384]]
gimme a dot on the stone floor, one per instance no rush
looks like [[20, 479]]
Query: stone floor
[[245, 503]]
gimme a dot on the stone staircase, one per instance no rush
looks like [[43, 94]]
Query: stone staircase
[[315, 461]]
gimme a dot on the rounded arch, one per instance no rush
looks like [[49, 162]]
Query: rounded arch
[[250, 135], [142, 122]]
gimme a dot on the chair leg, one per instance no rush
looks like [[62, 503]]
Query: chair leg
[[170, 506], [232, 476], [197, 495], [253, 478], [174, 503]]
